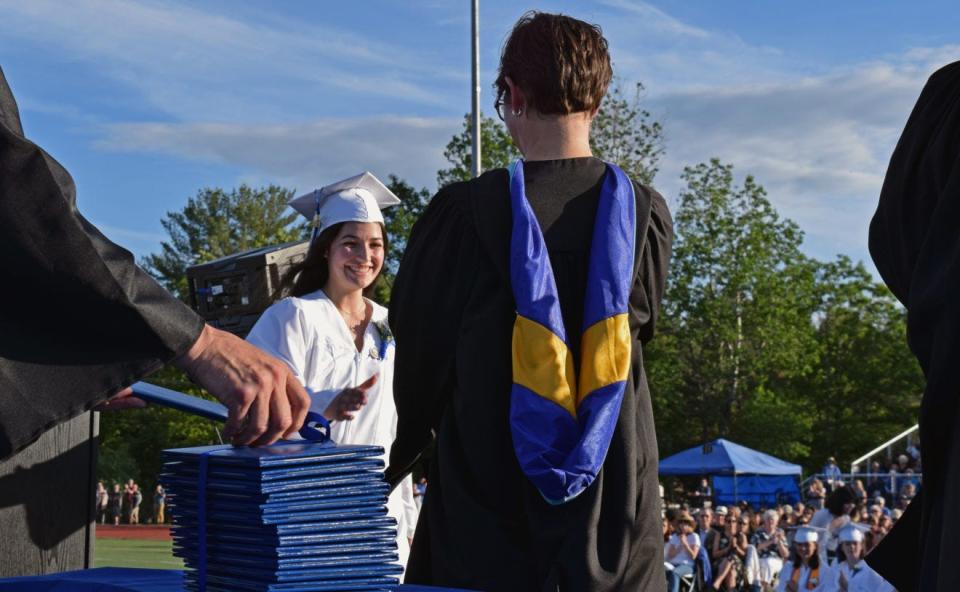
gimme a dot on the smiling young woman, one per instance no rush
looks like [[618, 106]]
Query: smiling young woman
[[334, 338]]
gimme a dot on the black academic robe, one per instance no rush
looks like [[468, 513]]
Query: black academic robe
[[483, 525], [78, 319], [915, 243]]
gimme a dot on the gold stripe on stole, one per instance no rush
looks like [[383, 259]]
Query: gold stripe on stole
[[604, 354], [546, 366]]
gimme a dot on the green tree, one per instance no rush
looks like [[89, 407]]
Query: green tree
[[216, 223], [736, 331], [867, 384], [496, 150], [399, 221], [626, 134], [623, 132]]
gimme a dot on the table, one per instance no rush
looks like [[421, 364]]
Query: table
[[123, 579]]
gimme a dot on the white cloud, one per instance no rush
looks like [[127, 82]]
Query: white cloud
[[304, 155], [820, 145], [196, 65]]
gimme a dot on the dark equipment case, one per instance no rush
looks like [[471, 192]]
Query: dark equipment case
[[230, 293]]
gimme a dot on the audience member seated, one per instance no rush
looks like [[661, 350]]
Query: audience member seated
[[770, 542], [729, 550], [681, 551]]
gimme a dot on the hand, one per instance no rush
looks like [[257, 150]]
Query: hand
[[344, 406], [264, 400], [122, 400]]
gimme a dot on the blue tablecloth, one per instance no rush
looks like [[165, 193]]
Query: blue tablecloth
[[122, 579]]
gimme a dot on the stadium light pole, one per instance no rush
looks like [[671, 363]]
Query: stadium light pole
[[475, 44]]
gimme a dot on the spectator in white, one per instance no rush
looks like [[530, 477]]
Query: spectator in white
[[853, 574], [804, 571], [770, 541], [831, 518], [681, 551], [103, 499], [832, 475]]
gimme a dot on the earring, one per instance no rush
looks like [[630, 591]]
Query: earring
[[517, 112]]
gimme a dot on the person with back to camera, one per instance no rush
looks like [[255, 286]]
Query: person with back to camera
[[521, 308], [337, 341], [916, 246]]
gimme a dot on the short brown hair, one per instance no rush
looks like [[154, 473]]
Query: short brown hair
[[561, 63]]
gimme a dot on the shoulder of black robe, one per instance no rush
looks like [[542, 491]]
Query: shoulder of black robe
[[426, 302], [915, 243], [445, 239], [78, 319]]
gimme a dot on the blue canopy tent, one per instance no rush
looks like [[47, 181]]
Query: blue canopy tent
[[739, 473]]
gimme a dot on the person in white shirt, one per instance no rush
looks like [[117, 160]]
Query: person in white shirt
[[853, 574], [804, 571], [770, 544], [334, 339], [681, 551]]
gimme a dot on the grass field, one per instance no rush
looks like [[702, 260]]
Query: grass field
[[134, 553]]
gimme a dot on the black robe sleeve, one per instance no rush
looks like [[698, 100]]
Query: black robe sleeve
[[915, 243], [78, 319], [426, 304]]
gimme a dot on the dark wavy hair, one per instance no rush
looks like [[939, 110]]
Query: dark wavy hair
[[798, 561], [313, 272], [561, 63], [838, 498]]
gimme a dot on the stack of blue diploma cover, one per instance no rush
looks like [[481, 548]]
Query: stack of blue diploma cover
[[293, 516]]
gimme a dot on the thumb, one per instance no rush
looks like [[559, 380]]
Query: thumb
[[365, 385]]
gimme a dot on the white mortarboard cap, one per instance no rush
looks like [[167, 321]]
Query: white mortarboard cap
[[806, 535], [357, 199], [851, 533]]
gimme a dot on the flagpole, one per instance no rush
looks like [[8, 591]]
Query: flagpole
[[475, 45]]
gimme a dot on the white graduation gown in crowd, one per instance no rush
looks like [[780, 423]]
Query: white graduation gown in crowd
[[310, 335], [861, 578], [824, 582]]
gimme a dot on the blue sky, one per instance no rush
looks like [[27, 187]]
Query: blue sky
[[147, 102]]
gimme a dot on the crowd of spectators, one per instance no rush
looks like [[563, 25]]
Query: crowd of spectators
[[746, 547], [120, 504]]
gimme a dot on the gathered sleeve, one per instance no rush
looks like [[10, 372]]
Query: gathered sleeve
[[78, 319], [426, 306]]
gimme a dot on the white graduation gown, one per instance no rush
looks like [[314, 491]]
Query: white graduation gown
[[823, 585], [310, 335], [860, 579]]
